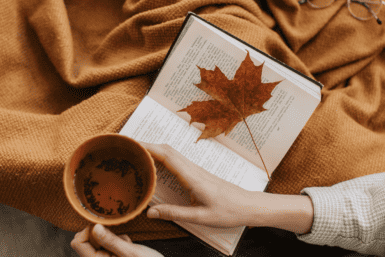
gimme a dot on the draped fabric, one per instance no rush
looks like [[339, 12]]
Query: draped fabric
[[70, 70]]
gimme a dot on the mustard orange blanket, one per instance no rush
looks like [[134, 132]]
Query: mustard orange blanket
[[70, 70]]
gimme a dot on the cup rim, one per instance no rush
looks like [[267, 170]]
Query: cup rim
[[76, 204]]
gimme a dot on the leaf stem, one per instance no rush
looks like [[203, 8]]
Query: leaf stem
[[257, 148]]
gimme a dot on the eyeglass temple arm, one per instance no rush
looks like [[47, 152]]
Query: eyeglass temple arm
[[370, 9]]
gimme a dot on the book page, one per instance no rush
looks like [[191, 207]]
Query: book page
[[153, 123], [274, 131]]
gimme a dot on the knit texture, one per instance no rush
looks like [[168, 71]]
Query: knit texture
[[74, 69]]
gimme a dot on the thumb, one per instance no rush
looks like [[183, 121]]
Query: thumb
[[175, 212], [107, 239]]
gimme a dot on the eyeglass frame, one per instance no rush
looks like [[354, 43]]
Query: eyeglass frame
[[349, 1]]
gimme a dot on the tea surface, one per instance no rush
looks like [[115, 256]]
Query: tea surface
[[109, 184]]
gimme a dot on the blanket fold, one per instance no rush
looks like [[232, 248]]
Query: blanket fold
[[72, 69]]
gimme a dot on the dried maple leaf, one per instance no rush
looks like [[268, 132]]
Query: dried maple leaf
[[235, 99]]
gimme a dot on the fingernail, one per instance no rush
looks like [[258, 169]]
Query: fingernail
[[153, 213], [99, 229]]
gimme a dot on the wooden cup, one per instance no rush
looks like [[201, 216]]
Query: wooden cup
[[109, 179]]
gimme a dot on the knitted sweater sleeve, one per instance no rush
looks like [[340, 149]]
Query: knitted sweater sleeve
[[350, 215]]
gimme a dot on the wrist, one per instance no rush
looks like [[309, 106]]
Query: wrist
[[289, 212]]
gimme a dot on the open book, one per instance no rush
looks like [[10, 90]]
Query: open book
[[232, 157]]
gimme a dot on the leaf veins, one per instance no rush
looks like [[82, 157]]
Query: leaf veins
[[234, 100]]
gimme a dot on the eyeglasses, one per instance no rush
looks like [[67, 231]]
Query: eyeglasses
[[360, 9]]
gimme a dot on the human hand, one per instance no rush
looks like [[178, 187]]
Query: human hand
[[119, 246], [215, 202]]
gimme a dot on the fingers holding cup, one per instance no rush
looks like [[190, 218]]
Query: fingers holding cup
[[81, 243]]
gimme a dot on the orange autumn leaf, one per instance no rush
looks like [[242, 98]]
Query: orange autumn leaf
[[235, 99]]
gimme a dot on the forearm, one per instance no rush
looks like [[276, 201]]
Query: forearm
[[289, 212], [349, 214]]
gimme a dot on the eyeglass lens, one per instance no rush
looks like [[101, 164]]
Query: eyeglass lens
[[365, 9]]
